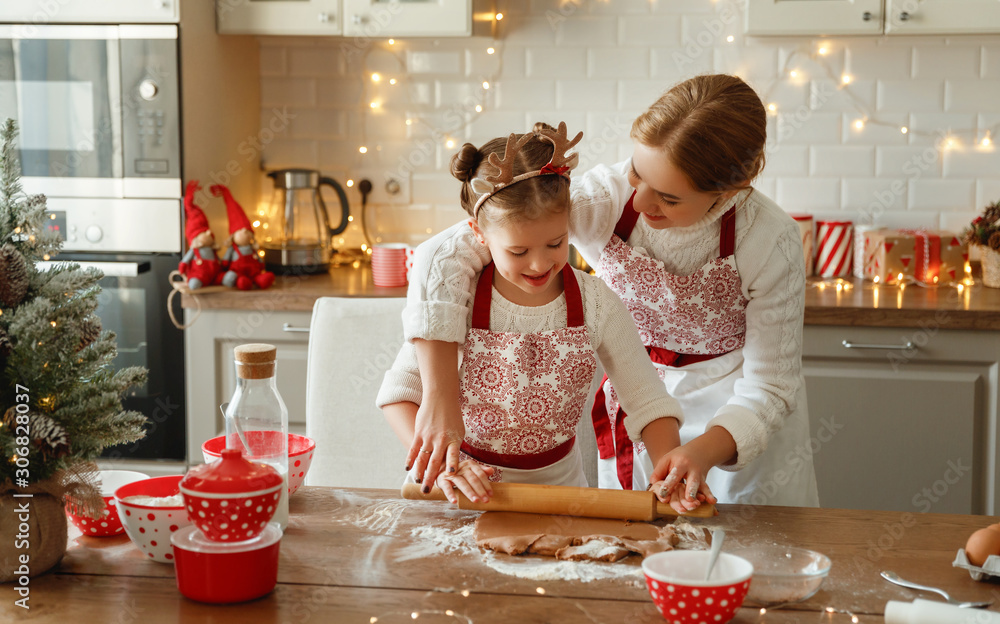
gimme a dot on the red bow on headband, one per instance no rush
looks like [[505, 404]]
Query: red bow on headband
[[550, 168]]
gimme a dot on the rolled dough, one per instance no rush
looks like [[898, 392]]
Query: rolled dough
[[569, 537]]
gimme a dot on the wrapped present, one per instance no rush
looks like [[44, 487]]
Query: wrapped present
[[939, 257], [806, 231], [861, 232], [834, 241], [889, 254]]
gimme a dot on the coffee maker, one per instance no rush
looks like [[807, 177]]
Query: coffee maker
[[295, 234]]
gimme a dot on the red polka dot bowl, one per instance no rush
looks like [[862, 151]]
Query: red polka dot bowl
[[232, 499], [300, 454], [150, 510], [676, 582], [108, 524]]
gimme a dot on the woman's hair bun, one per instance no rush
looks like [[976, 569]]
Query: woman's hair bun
[[465, 162]]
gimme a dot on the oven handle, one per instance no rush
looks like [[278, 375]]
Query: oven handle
[[110, 269], [288, 327]]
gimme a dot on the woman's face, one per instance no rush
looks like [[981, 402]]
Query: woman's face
[[528, 256], [663, 193]]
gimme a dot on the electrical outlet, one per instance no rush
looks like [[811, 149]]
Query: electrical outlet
[[388, 187]]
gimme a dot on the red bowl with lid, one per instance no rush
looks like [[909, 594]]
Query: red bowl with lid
[[231, 500], [221, 572]]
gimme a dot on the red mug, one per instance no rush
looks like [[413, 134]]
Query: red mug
[[390, 264]]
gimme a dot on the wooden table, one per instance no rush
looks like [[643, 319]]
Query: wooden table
[[352, 555]]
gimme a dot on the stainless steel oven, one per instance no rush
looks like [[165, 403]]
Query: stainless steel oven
[[98, 110]]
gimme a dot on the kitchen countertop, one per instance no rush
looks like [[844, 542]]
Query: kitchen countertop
[[856, 303]]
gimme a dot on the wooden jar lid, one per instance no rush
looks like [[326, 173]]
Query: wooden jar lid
[[260, 357]]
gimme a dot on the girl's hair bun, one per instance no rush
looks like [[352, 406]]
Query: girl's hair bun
[[539, 126], [465, 162]]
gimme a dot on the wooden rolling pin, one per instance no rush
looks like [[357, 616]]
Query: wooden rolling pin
[[563, 500]]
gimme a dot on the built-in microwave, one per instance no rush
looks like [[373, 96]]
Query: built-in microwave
[[97, 107]]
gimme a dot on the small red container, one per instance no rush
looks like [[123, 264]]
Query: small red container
[[300, 454], [220, 573], [231, 500]]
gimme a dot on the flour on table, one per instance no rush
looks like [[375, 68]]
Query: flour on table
[[436, 540], [539, 569]]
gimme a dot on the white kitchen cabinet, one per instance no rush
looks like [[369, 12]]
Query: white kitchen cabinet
[[211, 375], [89, 12], [872, 17], [942, 17], [278, 17], [415, 18], [904, 429]]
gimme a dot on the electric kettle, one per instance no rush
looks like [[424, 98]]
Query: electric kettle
[[295, 234]]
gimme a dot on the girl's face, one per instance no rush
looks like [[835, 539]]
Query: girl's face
[[528, 256], [663, 193]]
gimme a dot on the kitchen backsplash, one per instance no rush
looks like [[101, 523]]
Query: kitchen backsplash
[[835, 149]]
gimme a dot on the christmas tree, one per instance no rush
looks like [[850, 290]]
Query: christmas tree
[[61, 402]]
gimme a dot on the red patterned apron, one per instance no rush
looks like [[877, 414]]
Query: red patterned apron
[[681, 319], [522, 394]]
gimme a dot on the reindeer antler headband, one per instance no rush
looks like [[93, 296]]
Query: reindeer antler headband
[[560, 164]]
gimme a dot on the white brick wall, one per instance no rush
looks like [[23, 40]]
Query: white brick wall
[[596, 64]]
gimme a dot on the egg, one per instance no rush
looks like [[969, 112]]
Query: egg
[[982, 544]]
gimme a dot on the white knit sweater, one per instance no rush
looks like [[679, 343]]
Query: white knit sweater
[[611, 333], [768, 258]]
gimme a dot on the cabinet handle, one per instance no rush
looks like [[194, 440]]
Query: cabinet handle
[[867, 16], [904, 16], [288, 327], [903, 347]]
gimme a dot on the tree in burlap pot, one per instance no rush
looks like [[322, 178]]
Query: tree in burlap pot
[[61, 400]]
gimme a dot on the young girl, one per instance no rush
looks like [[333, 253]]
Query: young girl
[[712, 273], [534, 328]]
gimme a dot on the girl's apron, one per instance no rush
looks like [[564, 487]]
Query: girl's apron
[[522, 394], [694, 329]]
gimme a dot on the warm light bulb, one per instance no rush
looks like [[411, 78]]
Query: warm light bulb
[[52, 323], [486, 85], [499, 16], [392, 42], [846, 79], [899, 278], [540, 590], [374, 105], [876, 279], [376, 77], [859, 124], [793, 74], [450, 143], [987, 141], [52, 216], [364, 247], [350, 183], [730, 39], [823, 51], [960, 287], [256, 223], [490, 50], [949, 143], [479, 108], [772, 107], [392, 81], [45, 257], [409, 122], [904, 129], [363, 149]]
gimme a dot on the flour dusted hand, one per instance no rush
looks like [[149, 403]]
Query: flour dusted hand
[[439, 428]]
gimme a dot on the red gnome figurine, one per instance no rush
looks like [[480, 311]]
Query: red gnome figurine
[[199, 265], [246, 269]]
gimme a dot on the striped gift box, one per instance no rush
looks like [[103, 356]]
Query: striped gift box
[[834, 244]]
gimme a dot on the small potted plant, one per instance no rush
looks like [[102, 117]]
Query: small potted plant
[[984, 234]]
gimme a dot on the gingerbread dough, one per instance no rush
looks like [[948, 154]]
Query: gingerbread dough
[[569, 537]]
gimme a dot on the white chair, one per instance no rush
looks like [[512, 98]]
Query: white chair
[[352, 342]]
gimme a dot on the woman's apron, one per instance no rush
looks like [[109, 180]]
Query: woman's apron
[[694, 329], [522, 394]]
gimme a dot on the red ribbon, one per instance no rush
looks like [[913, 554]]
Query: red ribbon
[[550, 168]]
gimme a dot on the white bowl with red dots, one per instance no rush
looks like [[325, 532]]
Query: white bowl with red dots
[[676, 582], [107, 524], [150, 510], [300, 454], [232, 499]]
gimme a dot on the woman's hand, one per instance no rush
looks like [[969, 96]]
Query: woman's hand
[[471, 479], [439, 428]]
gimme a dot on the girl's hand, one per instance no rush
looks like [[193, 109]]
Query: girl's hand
[[437, 439], [471, 479], [679, 479]]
